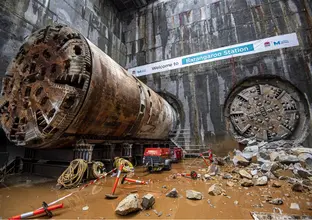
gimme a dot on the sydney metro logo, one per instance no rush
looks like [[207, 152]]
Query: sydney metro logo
[[275, 43]]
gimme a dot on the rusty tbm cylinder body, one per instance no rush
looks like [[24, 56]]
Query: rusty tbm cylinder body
[[60, 86]]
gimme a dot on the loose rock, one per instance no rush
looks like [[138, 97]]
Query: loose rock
[[207, 177], [173, 193], [294, 206], [236, 202], [254, 172], [227, 176], [148, 201], [240, 160], [215, 190], [244, 174], [306, 158], [230, 183], [262, 181], [276, 184], [128, 205], [246, 183], [297, 187], [304, 173], [277, 201], [274, 155], [287, 159], [264, 155], [266, 167], [194, 195], [213, 169]]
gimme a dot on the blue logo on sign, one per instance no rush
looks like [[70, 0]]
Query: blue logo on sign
[[219, 53], [280, 42]]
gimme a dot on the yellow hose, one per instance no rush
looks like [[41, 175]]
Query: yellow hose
[[73, 175], [128, 167]]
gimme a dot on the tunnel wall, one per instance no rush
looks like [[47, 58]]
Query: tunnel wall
[[171, 28], [95, 19]]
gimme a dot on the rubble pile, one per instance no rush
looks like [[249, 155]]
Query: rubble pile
[[258, 165]]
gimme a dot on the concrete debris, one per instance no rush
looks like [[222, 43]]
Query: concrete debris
[[164, 187], [250, 151], [207, 177], [173, 193], [264, 155], [244, 174], [277, 201], [306, 159], [148, 201], [215, 190], [300, 150], [287, 195], [227, 176], [85, 208], [287, 159], [246, 183], [193, 195], [304, 173], [294, 206], [297, 187], [230, 183], [274, 155], [240, 160], [266, 167], [236, 202], [213, 169], [128, 205], [276, 184], [262, 181], [254, 172]]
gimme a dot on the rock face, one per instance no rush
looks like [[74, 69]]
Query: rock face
[[215, 190], [194, 195], [246, 183], [287, 159], [128, 205], [173, 193], [240, 160], [262, 181], [148, 201], [297, 187], [277, 201], [244, 174]]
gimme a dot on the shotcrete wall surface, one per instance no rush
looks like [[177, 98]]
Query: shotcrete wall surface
[[172, 28]]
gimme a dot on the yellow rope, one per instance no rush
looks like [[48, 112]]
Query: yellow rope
[[73, 175], [128, 167]]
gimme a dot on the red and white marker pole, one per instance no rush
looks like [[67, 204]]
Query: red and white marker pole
[[117, 178], [83, 187], [132, 180], [37, 212]]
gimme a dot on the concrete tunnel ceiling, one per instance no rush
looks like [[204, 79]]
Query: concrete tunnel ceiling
[[267, 109], [128, 4]]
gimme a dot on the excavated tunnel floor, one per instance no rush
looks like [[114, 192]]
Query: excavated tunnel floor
[[36, 189]]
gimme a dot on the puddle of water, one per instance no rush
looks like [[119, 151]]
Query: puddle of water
[[24, 197]]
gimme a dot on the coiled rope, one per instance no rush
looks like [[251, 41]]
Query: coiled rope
[[73, 175]]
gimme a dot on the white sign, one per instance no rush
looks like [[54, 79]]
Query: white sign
[[252, 47]]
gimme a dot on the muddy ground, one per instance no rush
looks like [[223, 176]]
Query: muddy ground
[[27, 195]]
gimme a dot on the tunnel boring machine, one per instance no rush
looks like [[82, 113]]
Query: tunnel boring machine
[[61, 86]]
